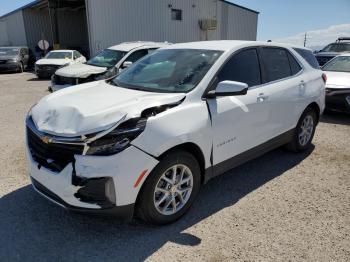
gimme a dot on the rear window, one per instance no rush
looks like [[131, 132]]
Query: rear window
[[276, 63], [308, 56]]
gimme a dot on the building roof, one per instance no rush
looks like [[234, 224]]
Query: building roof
[[35, 2]]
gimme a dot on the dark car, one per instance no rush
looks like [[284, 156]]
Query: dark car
[[14, 58], [342, 45]]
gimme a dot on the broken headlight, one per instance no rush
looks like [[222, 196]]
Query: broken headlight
[[118, 139]]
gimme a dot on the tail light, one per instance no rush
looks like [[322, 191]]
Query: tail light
[[324, 77]]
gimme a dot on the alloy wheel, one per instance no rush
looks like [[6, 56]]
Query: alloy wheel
[[173, 189]]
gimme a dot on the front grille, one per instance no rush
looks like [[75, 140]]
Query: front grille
[[48, 67], [52, 156], [323, 59], [61, 80], [3, 62]]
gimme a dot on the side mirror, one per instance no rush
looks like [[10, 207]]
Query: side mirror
[[126, 64], [229, 88]]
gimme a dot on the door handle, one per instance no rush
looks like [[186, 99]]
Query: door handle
[[261, 97]]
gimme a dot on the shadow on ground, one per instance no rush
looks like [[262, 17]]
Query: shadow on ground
[[336, 118], [34, 229]]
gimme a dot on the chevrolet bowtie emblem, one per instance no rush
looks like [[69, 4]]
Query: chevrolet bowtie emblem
[[45, 139]]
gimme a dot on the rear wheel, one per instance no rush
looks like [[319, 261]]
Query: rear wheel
[[304, 131], [21, 68], [170, 189]]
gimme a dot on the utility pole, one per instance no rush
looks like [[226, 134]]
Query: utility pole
[[305, 38]]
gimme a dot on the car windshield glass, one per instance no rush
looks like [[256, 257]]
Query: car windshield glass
[[169, 71], [59, 55], [106, 58], [9, 51], [338, 64], [337, 48]]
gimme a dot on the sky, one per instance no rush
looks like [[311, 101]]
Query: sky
[[282, 20]]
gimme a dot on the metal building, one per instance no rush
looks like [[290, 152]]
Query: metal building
[[91, 25]]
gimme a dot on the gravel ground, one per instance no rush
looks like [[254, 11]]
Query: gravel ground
[[279, 207]]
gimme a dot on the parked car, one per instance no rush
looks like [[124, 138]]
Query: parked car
[[338, 83], [14, 58], [342, 45], [148, 139], [47, 66], [104, 65]]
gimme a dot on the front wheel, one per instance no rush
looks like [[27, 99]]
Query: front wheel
[[170, 189], [304, 131]]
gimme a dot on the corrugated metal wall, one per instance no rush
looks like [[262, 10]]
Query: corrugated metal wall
[[13, 27], [37, 26], [4, 40], [113, 21], [72, 29], [237, 23]]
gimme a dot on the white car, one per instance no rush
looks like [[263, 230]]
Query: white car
[[148, 139], [104, 65], [47, 66], [338, 83]]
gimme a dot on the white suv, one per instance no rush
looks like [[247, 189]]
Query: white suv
[[149, 138], [107, 63]]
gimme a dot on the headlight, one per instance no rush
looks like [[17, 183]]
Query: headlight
[[118, 139]]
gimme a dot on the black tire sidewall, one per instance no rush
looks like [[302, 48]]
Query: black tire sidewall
[[146, 208]]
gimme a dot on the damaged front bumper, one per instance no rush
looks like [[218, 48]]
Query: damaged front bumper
[[94, 184]]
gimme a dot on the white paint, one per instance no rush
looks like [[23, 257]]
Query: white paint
[[236, 125], [80, 70], [338, 79], [92, 107]]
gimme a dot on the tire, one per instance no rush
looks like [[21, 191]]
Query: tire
[[166, 193], [302, 142], [21, 68]]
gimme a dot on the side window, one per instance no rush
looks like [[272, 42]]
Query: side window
[[137, 55], [242, 67], [308, 56], [294, 65], [76, 54], [276, 63]]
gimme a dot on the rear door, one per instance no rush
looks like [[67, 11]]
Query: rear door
[[284, 88]]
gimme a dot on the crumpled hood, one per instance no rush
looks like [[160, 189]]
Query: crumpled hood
[[338, 79], [93, 107], [80, 70], [45, 61]]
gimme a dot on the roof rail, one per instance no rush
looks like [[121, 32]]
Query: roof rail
[[343, 39]]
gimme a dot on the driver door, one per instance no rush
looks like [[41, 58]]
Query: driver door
[[239, 122]]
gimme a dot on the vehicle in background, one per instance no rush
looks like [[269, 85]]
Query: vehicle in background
[[338, 83], [148, 139], [108, 63], [342, 45], [47, 66], [14, 58]]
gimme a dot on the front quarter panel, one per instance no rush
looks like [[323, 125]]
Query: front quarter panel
[[186, 123]]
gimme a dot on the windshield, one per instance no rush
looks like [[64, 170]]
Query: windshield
[[106, 58], [9, 51], [337, 48], [59, 55], [338, 64], [170, 71]]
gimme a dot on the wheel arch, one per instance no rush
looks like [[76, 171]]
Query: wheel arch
[[316, 107]]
